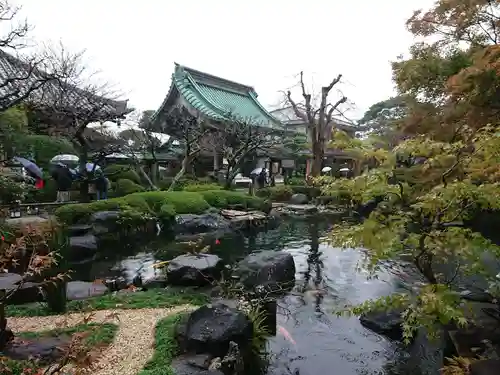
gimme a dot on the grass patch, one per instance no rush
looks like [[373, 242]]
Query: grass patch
[[100, 335], [165, 347], [152, 298]]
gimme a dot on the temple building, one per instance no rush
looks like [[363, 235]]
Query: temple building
[[215, 99]]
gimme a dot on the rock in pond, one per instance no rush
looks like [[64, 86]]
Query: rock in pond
[[272, 271], [194, 270], [79, 229], [193, 364], [387, 323], [211, 329], [299, 199], [193, 224], [83, 247]]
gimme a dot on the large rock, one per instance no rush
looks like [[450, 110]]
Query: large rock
[[45, 349], [193, 224], [299, 199], [79, 229], [104, 222], [268, 271], [197, 364], [194, 270], [211, 328], [82, 247], [25, 292], [78, 290], [384, 323]]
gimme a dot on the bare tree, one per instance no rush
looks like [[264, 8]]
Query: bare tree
[[22, 74], [76, 100], [190, 132], [237, 140], [317, 117]]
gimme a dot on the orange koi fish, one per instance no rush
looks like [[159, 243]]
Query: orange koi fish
[[286, 334]]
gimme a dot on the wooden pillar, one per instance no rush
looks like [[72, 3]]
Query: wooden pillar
[[308, 167]]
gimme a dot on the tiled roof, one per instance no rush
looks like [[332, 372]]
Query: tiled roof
[[51, 93], [218, 98]]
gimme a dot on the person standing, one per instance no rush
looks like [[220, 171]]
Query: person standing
[[101, 186], [64, 180]]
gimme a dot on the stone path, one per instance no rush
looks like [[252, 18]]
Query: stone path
[[133, 345]]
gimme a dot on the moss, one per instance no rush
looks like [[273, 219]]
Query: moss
[[165, 348], [153, 298]]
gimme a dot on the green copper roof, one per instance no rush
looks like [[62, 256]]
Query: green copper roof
[[218, 98]]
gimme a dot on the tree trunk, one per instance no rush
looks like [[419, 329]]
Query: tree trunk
[[146, 177], [178, 176], [317, 162]]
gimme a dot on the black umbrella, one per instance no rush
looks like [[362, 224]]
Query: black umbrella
[[30, 167]]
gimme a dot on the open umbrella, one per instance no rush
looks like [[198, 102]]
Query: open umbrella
[[65, 158], [92, 167], [326, 169], [30, 167], [256, 171], [344, 170]]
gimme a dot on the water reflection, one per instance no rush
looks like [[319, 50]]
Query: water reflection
[[327, 280]]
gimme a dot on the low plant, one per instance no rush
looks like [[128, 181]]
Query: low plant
[[202, 187], [280, 193], [124, 187]]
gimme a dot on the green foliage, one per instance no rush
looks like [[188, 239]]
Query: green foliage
[[44, 147], [124, 187], [13, 127], [202, 187], [115, 172], [279, 193], [297, 181], [71, 214], [311, 191], [11, 191]]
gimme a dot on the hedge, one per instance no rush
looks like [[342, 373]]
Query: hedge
[[162, 204], [228, 198], [280, 193], [202, 187], [124, 187]]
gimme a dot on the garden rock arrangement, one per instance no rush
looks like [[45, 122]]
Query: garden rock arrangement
[[265, 272], [384, 323], [214, 337], [204, 223], [194, 270]]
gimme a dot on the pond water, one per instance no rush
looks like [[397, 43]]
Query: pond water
[[327, 280]]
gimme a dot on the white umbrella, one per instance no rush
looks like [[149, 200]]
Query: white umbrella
[[326, 169], [65, 158], [344, 170], [256, 171]]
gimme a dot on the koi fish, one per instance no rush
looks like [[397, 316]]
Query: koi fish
[[286, 334]]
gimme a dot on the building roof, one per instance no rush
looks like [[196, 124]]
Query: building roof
[[216, 98], [19, 78], [288, 117]]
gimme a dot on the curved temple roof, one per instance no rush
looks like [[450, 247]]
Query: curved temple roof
[[216, 98]]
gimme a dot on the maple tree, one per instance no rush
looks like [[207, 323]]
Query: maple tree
[[442, 173]]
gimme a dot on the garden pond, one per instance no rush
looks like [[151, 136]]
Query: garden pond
[[311, 339]]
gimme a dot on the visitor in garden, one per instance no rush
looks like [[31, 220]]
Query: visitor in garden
[[64, 180], [101, 185], [261, 178]]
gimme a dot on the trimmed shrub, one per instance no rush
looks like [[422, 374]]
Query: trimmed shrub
[[117, 172], [167, 214], [184, 202], [281, 193], [77, 213], [202, 187], [124, 187]]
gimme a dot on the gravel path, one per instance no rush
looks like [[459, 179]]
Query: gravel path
[[134, 342]]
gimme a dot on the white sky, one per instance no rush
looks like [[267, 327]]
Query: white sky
[[261, 43]]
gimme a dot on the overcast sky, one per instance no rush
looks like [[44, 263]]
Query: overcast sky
[[261, 43]]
